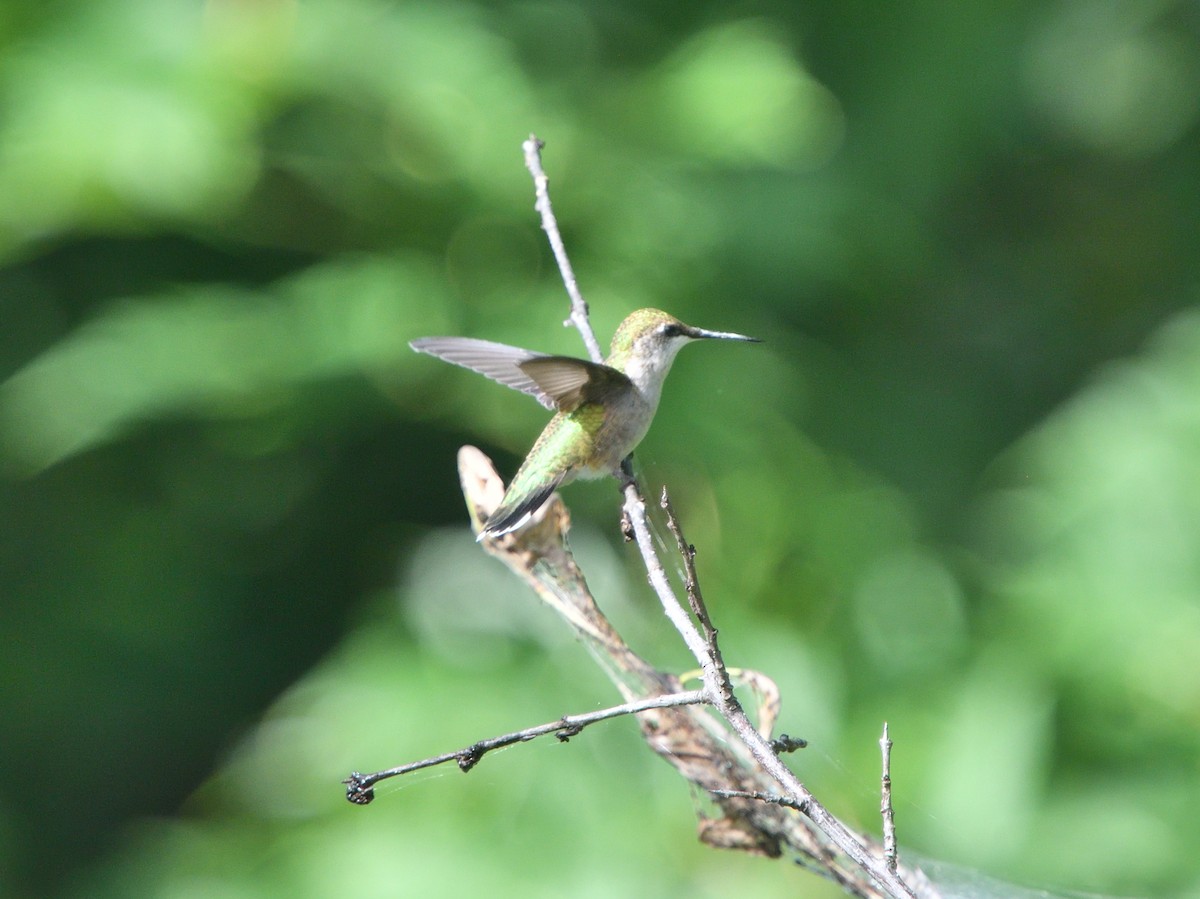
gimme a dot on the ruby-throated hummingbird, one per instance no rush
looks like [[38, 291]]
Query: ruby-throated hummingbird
[[603, 411]]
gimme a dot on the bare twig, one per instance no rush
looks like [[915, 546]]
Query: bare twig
[[761, 796], [541, 185], [635, 512], [731, 710], [885, 803], [692, 587], [360, 787]]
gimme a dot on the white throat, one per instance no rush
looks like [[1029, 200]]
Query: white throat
[[647, 371]]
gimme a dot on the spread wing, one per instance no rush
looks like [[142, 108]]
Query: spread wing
[[498, 361], [557, 382]]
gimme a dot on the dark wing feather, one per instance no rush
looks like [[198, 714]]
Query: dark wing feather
[[570, 381]]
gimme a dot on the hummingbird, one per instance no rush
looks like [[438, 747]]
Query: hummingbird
[[602, 411]]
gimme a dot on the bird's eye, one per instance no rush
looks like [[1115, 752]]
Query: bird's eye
[[669, 329]]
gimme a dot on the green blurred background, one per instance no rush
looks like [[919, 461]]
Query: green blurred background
[[958, 488]]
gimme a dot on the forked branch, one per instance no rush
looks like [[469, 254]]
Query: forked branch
[[763, 807]]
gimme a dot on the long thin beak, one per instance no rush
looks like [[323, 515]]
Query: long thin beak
[[701, 334]]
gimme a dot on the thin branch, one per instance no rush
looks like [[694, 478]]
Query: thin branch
[[761, 796], [885, 803], [635, 512], [360, 787], [541, 186], [731, 710], [692, 587]]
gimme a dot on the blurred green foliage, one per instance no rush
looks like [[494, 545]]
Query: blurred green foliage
[[957, 489]]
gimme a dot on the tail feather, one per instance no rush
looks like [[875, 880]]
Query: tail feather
[[514, 511]]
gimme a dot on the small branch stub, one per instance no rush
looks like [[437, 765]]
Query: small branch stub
[[358, 790], [885, 803], [783, 743]]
